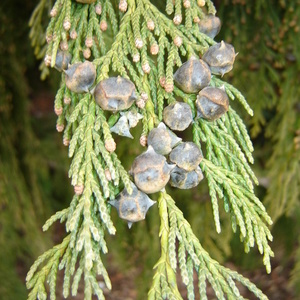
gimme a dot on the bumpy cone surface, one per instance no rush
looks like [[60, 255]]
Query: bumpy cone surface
[[186, 156], [162, 140], [183, 179], [192, 76], [80, 77], [63, 58], [210, 25], [178, 116], [115, 93], [150, 171], [220, 57], [212, 103], [134, 207]]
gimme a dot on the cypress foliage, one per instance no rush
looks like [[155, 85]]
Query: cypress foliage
[[270, 60], [268, 69], [116, 37]]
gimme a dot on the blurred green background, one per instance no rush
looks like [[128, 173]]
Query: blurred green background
[[34, 163]]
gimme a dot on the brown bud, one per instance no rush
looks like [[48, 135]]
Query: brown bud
[[186, 3], [196, 20], [177, 19], [53, 12], [87, 53], [146, 68], [89, 42], [140, 103], [177, 41], [67, 100], [139, 43], [201, 3], [123, 5], [162, 81], [66, 142], [58, 111], [48, 38], [136, 57], [150, 25], [47, 60], [154, 49], [73, 34], [103, 25], [144, 96], [64, 45], [169, 87], [143, 140], [67, 24], [107, 174], [78, 189], [110, 145], [98, 9], [60, 127]]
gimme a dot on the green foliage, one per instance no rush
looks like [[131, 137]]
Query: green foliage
[[21, 205], [270, 59], [96, 171], [268, 69], [296, 272], [191, 256]]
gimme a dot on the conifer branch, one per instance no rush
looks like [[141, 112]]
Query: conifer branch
[[144, 46], [284, 164], [192, 258], [245, 208]]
